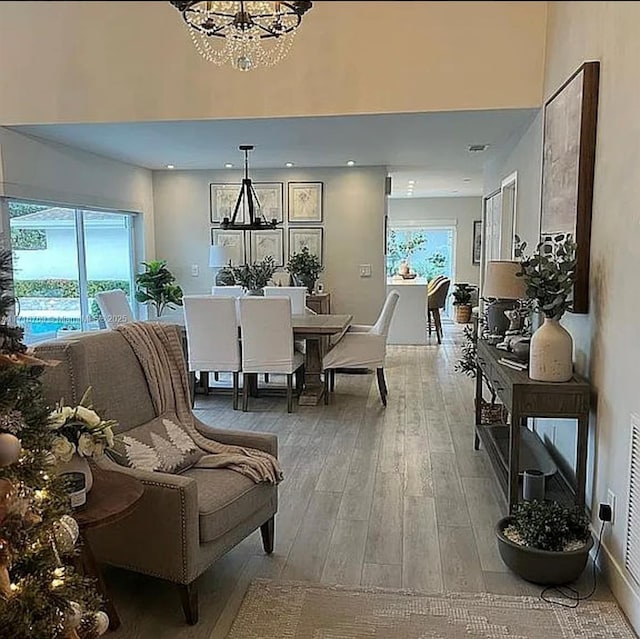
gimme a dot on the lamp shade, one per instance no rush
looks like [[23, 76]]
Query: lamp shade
[[218, 256], [501, 281]]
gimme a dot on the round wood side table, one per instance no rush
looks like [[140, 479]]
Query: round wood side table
[[114, 496]]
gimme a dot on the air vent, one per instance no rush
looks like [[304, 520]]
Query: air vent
[[477, 148], [632, 552]]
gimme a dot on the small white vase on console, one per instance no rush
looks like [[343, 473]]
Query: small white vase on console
[[551, 354], [79, 464]]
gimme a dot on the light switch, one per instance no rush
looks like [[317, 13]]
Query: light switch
[[195, 270], [365, 270]]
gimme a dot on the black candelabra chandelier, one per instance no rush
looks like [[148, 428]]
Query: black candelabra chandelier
[[247, 205]]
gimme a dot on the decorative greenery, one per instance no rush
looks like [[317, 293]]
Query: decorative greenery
[[254, 277], [65, 288], [224, 277], [467, 363], [40, 591], [80, 430], [28, 239], [156, 286], [462, 294], [398, 250], [305, 267], [548, 525], [550, 273]]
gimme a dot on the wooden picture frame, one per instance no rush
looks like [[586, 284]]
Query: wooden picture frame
[[305, 201], [267, 242], [476, 247], [306, 236], [234, 241], [568, 163]]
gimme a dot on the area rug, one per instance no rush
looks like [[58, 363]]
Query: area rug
[[277, 610]]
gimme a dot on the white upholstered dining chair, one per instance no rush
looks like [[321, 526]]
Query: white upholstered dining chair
[[212, 336], [227, 291], [297, 295], [267, 343], [362, 347], [114, 307]]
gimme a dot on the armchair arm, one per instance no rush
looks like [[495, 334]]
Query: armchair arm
[[359, 328], [161, 537], [261, 441]]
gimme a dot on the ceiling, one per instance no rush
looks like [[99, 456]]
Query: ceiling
[[430, 149]]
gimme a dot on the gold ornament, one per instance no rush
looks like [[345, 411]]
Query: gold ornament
[[10, 448]]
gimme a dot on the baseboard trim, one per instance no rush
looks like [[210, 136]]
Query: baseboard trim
[[622, 586]]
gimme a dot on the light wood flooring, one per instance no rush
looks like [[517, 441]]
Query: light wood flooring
[[393, 497]]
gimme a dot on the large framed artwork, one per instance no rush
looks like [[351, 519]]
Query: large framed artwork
[[223, 198], [309, 237], [271, 198], [570, 118], [305, 202], [477, 242], [267, 243], [233, 241]]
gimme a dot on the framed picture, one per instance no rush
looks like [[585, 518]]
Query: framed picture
[[234, 242], [271, 198], [223, 199], [305, 202], [311, 238], [568, 161], [265, 243], [477, 242]]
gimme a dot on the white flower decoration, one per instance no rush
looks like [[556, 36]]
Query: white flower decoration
[[88, 416], [86, 445], [63, 449]]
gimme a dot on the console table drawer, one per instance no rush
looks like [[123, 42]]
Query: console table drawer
[[502, 385]]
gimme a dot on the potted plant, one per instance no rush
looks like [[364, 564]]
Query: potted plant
[[305, 268], [462, 302], [156, 286], [254, 277], [549, 276], [545, 542]]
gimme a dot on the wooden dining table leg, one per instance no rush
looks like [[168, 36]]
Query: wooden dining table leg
[[313, 386]]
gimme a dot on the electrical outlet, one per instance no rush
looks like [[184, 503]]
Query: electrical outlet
[[611, 498], [365, 270], [195, 270]]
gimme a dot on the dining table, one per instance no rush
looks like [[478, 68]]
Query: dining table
[[315, 330]]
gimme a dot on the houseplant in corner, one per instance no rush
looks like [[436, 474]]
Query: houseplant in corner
[[462, 302], [156, 286], [305, 268], [545, 542], [549, 276], [254, 277]]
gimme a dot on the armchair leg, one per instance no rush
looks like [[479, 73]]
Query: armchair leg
[[268, 532], [332, 379], [300, 380], [204, 381], [236, 385], [438, 323], [429, 321], [266, 378], [327, 375], [216, 376], [289, 392], [189, 597], [382, 385], [245, 392]]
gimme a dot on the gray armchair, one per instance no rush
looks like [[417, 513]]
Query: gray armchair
[[183, 522]]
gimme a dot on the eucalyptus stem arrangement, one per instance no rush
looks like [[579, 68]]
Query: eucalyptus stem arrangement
[[254, 277]]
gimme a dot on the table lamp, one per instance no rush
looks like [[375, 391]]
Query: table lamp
[[502, 284], [219, 257]]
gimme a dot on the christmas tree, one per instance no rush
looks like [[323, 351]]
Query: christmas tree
[[42, 596]]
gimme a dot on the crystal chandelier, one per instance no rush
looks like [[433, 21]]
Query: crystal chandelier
[[246, 34]]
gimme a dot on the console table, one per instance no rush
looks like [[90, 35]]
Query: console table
[[523, 398], [320, 303]]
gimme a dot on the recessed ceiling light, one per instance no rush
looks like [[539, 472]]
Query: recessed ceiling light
[[351, 163], [412, 182], [170, 166], [288, 164], [228, 165]]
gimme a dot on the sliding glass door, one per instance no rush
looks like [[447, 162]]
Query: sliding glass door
[[62, 258]]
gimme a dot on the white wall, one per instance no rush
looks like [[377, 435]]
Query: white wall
[[48, 172], [458, 211], [354, 209]]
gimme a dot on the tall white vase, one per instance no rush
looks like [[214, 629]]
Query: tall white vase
[[551, 354], [79, 465]]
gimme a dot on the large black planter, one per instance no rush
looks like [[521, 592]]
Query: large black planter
[[543, 567]]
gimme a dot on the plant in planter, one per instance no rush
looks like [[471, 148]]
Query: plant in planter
[[305, 268], [549, 276], [156, 286], [545, 542], [462, 302], [254, 277]]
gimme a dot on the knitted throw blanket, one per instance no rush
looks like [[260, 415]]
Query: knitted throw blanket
[[158, 348]]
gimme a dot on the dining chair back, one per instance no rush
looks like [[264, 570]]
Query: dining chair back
[[227, 291], [267, 340], [297, 295], [114, 307], [381, 327], [212, 336]]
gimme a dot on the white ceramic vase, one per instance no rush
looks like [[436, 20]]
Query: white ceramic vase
[[551, 354], [79, 465]]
